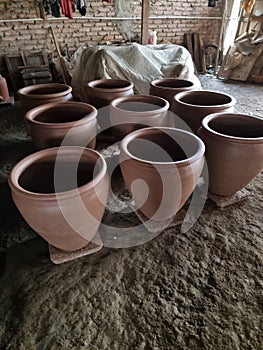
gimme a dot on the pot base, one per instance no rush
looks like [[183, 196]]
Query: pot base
[[58, 256], [225, 201]]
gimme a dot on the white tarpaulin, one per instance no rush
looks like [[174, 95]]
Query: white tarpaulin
[[137, 63]]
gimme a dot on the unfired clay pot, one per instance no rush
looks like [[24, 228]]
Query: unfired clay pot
[[234, 150], [61, 193], [72, 122], [161, 167], [193, 106], [36, 95], [100, 93], [134, 112], [167, 88]]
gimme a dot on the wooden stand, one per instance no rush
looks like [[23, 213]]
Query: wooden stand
[[58, 256], [10, 102], [223, 202]]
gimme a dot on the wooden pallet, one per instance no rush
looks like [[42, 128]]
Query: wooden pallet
[[58, 256], [8, 103], [26, 61]]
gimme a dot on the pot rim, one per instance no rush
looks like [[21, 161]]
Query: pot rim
[[23, 92], [208, 92], [155, 82], [32, 113], [92, 85], [213, 116], [130, 137], [136, 98], [23, 164]]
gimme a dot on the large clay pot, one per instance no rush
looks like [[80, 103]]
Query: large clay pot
[[73, 123], [36, 95], [161, 167], [101, 92], [234, 150], [167, 88], [61, 193], [193, 106], [135, 112]]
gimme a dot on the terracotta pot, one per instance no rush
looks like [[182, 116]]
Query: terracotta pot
[[161, 167], [101, 92], [234, 150], [36, 95], [193, 106], [4, 93], [62, 204], [169, 87], [135, 112], [50, 123]]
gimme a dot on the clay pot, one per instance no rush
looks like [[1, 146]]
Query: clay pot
[[50, 123], [4, 93], [135, 112], [161, 167], [101, 92], [36, 95], [234, 150], [193, 106], [169, 87], [61, 193]]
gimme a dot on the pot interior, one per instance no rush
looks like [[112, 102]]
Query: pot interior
[[136, 106], [47, 90], [39, 177], [112, 84], [176, 83], [205, 98], [61, 114], [238, 126], [163, 147]]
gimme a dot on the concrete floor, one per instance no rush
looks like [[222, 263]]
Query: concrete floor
[[196, 290]]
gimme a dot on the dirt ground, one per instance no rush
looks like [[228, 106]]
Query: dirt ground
[[196, 290]]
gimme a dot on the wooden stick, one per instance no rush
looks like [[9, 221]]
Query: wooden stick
[[220, 37], [61, 60]]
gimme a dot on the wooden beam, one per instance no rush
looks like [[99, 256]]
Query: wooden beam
[[145, 21]]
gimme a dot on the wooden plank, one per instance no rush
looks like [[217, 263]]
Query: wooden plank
[[145, 21], [195, 39], [36, 58], [188, 43], [242, 70], [37, 67], [220, 36], [202, 56], [12, 63]]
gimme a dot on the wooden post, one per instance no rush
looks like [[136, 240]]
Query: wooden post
[[145, 21], [220, 37]]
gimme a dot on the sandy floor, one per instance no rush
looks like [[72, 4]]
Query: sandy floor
[[198, 290]]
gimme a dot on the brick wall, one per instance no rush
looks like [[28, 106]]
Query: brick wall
[[21, 27]]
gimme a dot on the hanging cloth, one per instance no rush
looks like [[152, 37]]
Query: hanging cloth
[[66, 8], [82, 7]]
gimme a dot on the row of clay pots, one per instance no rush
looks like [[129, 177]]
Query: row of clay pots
[[128, 112], [185, 101], [160, 167], [62, 192], [151, 159]]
